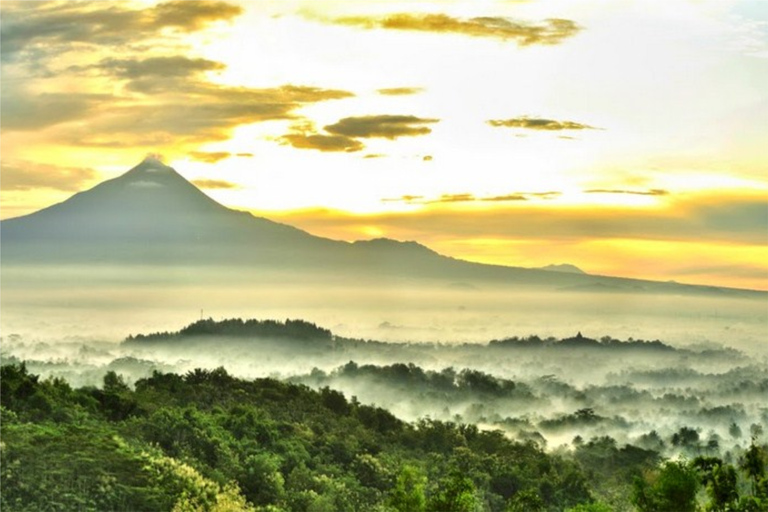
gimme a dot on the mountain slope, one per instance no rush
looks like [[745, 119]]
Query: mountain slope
[[151, 215]]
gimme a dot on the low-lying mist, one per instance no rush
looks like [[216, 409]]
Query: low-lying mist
[[109, 303], [637, 367], [547, 390]]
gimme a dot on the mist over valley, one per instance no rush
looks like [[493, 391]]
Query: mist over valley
[[111, 290]]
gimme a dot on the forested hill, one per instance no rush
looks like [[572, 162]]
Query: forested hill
[[301, 330], [239, 328], [206, 441], [209, 441]]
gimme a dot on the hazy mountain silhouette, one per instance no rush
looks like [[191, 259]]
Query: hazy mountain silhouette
[[563, 267], [151, 215]]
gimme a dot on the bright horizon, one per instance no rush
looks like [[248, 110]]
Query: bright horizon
[[624, 138]]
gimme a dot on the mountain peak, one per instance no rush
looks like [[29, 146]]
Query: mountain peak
[[152, 163], [563, 267]]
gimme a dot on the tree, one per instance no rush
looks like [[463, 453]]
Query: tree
[[408, 494], [669, 489], [526, 501], [753, 465], [456, 494], [686, 438], [721, 481]]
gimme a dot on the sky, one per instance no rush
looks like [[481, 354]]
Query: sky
[[625, 137]]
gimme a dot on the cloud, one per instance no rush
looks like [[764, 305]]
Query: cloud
[[404, 199], [539, 124], [32, 26], [25, 175], [729, 220], [467, 198], [207, 114], [454, 198], [651, 192], [145, 184], [176, 66], [327, 143], [214, 184], [508, 197], [176, 107], [400, 91], [25, 111], [191, 16], [549, 32], [384, 126], [209, 157]]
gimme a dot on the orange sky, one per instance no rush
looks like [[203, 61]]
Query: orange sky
[[624, 137]]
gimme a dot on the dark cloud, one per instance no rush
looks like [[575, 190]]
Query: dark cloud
[[214, 184], [22, 175], [207, 114], [244, 155], [532, 123], [385, 126], [454, 198], [28, 26], [508, 197], [327, 143], [400, 91], [374, 155], [25, 111], [176, 66], [549, 32], [179, 106], [191, 16], [651, 192], [209, 157], [427, 158]]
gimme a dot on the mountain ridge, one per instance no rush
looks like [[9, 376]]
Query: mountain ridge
[[152, 215]]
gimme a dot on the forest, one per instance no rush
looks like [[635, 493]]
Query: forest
[[268, 415]]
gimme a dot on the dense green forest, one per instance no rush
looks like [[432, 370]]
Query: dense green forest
[[206, 440]]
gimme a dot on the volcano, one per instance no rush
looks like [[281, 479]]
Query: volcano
[[153, 216]]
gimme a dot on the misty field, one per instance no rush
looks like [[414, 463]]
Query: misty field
[[238, 414]]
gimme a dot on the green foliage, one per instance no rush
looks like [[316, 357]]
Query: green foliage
[[456, 493], [209, 441], [237, 327], [408, 492], [672, 488]]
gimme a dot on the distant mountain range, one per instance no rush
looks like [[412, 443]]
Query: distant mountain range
[[151, 215]]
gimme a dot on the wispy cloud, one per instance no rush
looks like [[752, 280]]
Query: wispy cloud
[[214, 184], [149, 53], [174, 66], [537, 123], [25, 111], [25, 175], [651, 192], [210, 157], [204, 113], [470, 198], [400, 91], [548, 32], [705, 219], [32, 27]]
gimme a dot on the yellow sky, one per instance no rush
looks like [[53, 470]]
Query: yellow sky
[[626, 137]]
